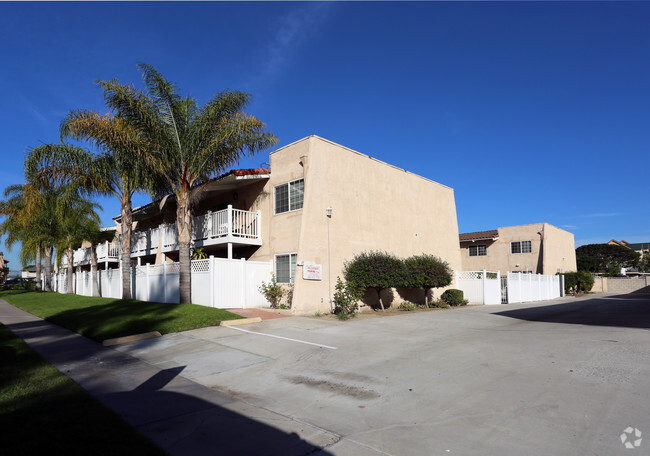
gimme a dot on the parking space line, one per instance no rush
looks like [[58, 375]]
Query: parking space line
[[281, 337]]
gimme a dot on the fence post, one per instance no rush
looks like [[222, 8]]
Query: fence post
[[164, 281], [484, 285], [211, 276], [148, 282], [242, 273]]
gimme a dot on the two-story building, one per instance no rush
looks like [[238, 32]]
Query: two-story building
[[538, 248], [317, 206]]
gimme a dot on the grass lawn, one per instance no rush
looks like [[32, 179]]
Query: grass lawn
[[42, 411], [106, 318]]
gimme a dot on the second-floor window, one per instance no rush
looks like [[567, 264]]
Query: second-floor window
[[478, 250], [289, 197], [521, 247]]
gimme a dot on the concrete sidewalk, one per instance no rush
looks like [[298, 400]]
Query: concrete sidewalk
[[181, 416]]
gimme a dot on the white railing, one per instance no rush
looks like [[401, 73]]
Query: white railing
[[228, 225], [108, 251]]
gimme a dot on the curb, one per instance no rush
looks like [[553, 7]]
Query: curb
[[241, 321], [133, 338]]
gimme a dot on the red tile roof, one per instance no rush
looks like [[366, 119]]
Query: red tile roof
[[246, 172], [475, 236]]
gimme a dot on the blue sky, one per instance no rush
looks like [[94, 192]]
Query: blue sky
[[531, 111]]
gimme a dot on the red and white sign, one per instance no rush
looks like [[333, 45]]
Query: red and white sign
[[312, 272]]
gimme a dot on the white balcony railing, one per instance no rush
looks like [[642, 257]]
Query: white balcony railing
[[226, 226], [229, 225]]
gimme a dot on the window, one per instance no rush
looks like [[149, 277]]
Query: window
[[285, 268], [289, 196], [478, 250], [521, 247]]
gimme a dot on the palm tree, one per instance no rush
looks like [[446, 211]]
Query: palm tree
[[78, 221], [32, 216], [116, 170], [186, 144]]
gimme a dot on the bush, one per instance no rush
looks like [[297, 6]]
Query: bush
[[407, 306], [426, 272], [437, 303], [290, 296], [579, 282], [453, 297], [345, 300], [376, 270], [272, 291]]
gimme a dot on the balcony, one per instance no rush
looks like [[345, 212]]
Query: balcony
[[227, 227], [107, 252]]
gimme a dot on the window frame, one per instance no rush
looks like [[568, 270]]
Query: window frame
[[288, 186], [520, 247], [478, 250], [292, 272]]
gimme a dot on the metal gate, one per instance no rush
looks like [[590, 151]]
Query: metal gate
[[504, 289]]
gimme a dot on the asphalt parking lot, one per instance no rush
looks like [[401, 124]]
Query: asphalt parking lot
[[564, 377]]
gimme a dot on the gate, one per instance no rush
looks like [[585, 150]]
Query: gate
[[504, 290]]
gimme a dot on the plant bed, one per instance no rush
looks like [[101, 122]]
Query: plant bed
[[107, 318]]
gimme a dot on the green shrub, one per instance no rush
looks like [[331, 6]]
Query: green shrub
[[426, 272], [578, 282], [199, 254], [290, 296], [345, 300], [453, 297], [272, 291], [437, 303], [407, 306], [345, 316], [376, 270]]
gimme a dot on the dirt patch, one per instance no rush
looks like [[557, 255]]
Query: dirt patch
[[334, 387]]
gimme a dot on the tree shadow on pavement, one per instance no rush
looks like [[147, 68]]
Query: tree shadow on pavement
[[188, 425], [627, 310]]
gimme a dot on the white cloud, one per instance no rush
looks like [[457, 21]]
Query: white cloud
[[291, 31], [600, 214]]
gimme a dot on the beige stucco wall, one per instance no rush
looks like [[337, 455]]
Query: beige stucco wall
[[557, 251], [376, 206]]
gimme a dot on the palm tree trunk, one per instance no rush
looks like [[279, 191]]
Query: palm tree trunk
[[93, 269], [125, 254], [38, 268], [47, 266], [70, 254], [184, 224]]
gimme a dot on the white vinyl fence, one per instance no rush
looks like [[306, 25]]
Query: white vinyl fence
[[533, 287], [216, 282], [480, 287], [487, 287]]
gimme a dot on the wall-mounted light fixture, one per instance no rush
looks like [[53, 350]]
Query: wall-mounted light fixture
[[329, 211]]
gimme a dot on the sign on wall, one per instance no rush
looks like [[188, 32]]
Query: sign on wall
[[312, 271]]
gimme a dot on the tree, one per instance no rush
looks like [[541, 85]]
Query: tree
[[79, 222], [33, 217], [597, 257], [644, 263], [186, 144], [426, 272], [376, 270], [116, 170]]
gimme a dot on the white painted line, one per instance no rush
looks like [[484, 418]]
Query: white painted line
[[280, 337]]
